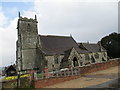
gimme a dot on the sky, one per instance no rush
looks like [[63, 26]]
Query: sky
[[85, 20]]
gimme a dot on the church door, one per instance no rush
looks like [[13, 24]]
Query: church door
[[75, 62]]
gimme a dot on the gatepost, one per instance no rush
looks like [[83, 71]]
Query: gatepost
[[46, 72], [32, 77]]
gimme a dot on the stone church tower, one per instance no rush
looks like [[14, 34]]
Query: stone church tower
[[26, 53]]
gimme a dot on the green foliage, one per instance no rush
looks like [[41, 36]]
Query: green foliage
[[39, 75], [112, 44]]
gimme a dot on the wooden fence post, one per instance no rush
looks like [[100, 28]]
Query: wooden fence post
[[72, 71], [79, 71], [61, 73], [64, 73], [57, 73], [76, 71], [68, 72]]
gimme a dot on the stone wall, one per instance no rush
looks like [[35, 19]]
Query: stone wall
[[83, 70], [51, 62], [28, 58], [99, 66], [52, 81], [40, 60]]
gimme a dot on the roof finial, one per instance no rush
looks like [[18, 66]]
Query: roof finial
[[35, 17], [19, 14], [70, 35]]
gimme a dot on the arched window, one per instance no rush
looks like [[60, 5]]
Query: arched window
[[46, 62], [104, 54], [56, 58], [81, 63], [87, 57], [92, 59], [56, 61], [96, 55], [103, 59]]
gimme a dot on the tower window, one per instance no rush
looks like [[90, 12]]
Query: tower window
[[28, 27]]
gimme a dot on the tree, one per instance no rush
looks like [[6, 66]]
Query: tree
[[112, 44]]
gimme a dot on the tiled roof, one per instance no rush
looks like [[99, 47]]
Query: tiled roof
[[92, 47], [11, 66], [58, 44]]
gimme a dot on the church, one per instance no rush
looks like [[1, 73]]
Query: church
[[37, 52]]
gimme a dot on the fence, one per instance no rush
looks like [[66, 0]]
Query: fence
[[58, 73]]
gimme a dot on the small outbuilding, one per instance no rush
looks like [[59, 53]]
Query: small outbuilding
[[10, 70]]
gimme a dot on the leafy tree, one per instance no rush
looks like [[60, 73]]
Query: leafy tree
[[112, 44]]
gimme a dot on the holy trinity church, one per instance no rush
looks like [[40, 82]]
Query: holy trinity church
[[36, 51]]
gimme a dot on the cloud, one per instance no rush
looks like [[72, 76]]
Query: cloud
[[8, 37], [8, 42], [29, 14], [59, 1], [2, 18], [67, 1], [12, 11], [86, 21]]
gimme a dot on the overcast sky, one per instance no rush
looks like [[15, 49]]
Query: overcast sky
[[86, 20]]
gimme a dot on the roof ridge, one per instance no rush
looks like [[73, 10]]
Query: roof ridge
[[89, 43], [54, 36]]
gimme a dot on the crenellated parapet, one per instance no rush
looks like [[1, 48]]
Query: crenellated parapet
[[28, 19]]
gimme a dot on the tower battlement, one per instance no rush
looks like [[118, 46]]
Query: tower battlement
[[28, 19]]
